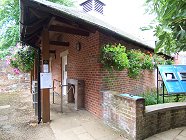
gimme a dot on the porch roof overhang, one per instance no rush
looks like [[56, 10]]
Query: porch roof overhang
[[36, 14]]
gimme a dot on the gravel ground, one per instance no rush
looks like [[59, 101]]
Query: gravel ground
[[17, 120]]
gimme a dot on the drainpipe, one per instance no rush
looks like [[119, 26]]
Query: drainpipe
[[39, 88]]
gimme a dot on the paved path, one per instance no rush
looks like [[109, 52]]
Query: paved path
[[173, 134], [79, 125], [17, 123]]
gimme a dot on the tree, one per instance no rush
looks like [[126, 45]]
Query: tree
[[64, 2], [169, 25], [9, 23]]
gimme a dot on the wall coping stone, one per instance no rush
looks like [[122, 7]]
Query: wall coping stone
[[124, 95], [133, 97], [164, 107]]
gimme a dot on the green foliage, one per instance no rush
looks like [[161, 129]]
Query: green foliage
[[137, 62], [169, 25], [114, 57], [160, 60], [151, 98], [9, 23], [63, 2], [23, 60]]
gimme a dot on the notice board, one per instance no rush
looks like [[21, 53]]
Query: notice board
[[174, 78]]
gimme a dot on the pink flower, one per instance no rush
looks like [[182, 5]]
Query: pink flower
[[16, 71], [8, 61], [18, 46], [13, 59]]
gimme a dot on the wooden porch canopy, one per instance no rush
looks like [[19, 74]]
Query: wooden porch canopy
[[37, 14]]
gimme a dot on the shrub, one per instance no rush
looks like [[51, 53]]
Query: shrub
[[137, 62], [22, 59], [160, 60], [151, 98], [114, 57]]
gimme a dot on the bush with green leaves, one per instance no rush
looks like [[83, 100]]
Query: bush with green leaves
[[114, 57], [138, 61], [160, 60], [22, 60], [151, 98]]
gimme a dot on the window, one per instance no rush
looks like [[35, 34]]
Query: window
[[182, 75], [170, 76]]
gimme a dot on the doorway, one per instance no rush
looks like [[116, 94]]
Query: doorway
[[64, 71]]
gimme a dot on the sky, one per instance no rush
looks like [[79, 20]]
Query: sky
[[129, 15]]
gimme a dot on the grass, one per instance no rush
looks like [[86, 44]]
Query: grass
[[151, 98]]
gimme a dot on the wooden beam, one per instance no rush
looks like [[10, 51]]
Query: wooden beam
[[33, 35], [50, 22], [65, 21], [38, 13], [52, 51], [57, 43], [34, 27], [45, 93], [69, 30], [78, 25]]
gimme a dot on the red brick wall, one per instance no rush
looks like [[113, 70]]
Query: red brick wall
[[84, 65], [122, 83], [56, 66], [130, 116]]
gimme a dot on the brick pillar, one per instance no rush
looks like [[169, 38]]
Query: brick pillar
[[140, 110]]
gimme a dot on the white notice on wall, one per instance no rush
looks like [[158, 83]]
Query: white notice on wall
[[46, 80], [45, 68]]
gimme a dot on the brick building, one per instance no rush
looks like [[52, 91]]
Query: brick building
[[71, 41]]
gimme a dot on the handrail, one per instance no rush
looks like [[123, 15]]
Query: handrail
[[53, 88], [71, 87], [60, 85], [56, 80]]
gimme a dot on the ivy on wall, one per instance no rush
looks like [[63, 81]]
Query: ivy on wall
[[114, 57], [117, 58]]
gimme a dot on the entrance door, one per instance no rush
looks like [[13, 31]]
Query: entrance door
[[64, 73]]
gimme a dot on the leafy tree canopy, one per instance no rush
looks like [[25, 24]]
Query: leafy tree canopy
[[169, 25], [9, 23]]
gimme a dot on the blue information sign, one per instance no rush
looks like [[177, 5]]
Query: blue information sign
[[174, 78]]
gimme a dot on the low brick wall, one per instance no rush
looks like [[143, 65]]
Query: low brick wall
[[128, 114]]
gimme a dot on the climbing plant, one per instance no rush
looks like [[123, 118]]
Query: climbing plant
[[138, 61], [116, 58]]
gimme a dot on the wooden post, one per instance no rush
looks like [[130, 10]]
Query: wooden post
[[45, 93], [31, 79]]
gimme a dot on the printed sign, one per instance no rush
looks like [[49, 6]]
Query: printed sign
[[46, 80]]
